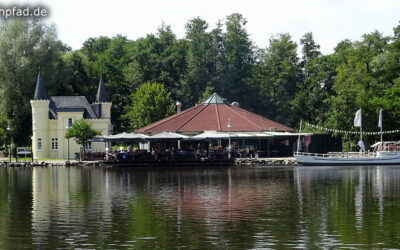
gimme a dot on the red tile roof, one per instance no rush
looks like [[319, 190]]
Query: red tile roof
[[214, 117]]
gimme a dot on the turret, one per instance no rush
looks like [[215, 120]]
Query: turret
[[102, 99], [40, 116]]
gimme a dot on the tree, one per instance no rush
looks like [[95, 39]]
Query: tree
[[281, 75], [199, 60], [149, 103], [26, 45], [206, 94], [310, 48], [358, 84], [316, 86], [81, 131], [238, 61]]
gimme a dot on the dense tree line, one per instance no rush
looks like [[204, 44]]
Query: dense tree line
[[275, 82]]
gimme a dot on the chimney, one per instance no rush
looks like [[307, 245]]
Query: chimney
[[235, 104], [178, 107]]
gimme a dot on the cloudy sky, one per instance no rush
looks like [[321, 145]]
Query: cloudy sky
[[331, 21]]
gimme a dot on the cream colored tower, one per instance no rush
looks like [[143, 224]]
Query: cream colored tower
[[40, 121]]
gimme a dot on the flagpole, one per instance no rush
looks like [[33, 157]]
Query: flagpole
[[360, 124], [298, 140], [381, 124]]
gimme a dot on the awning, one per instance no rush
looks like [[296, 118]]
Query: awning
[[288, 134], [97, 138], [210, 135], [168, 136], [126, 137]]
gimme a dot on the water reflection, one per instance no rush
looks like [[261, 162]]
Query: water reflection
[[360, 204], [304, 207]]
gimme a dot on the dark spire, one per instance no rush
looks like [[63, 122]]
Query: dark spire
[[40, 91], [101, 91]]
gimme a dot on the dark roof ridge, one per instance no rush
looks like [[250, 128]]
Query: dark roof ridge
[[230, 107], [218, 120], [188, 120]]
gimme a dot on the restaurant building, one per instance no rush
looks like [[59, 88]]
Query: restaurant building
[[215, 120]]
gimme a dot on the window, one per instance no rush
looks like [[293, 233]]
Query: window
[[54, 144], [88, 146], [69, 124], [39, 144]]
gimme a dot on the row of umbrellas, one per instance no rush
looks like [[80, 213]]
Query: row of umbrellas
[[203, 136]]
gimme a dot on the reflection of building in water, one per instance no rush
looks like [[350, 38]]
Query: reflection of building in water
[[66, 200], [219, 197]]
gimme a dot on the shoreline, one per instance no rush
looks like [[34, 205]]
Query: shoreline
[[283, 161]]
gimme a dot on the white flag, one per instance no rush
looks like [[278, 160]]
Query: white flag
[[357, 119], [380, 119]]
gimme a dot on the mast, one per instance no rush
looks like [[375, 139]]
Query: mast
[[360, 124]]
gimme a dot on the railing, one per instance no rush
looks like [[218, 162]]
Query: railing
[[338, 154]]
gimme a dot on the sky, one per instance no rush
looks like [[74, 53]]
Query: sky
[[330, 21]]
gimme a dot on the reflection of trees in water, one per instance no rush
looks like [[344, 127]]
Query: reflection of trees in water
[[15, 208], [349, 205]]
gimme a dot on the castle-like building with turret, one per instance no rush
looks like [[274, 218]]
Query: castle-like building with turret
[[51, 117]]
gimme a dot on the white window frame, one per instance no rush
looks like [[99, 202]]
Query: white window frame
[[69, 124], [54, 144], [39, 144]]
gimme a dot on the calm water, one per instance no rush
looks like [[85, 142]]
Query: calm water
[[302, 207]]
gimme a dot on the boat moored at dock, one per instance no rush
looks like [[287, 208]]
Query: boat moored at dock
[[384, 153]]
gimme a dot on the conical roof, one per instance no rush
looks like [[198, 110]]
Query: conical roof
[[40, 91], [101, 91], [214, 115]]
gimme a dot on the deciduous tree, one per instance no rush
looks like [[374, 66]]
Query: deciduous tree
[[149, 103]]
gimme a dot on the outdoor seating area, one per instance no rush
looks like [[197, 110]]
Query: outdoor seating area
[[169, 147]]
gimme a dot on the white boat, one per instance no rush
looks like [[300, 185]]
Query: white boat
[[384, 153]]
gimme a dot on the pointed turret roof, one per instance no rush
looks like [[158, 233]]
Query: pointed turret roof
[[101, 91], [40, 91]]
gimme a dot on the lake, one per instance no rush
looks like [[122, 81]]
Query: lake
[[239, 207]]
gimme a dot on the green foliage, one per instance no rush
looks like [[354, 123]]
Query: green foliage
[[149, 103], [317, 84], [206, 94], [26, 45], [81, 131], [4, 134], [280, 75]]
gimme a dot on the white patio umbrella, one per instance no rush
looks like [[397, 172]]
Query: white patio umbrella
[[126, 137], [168, 136], [210, 135]]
